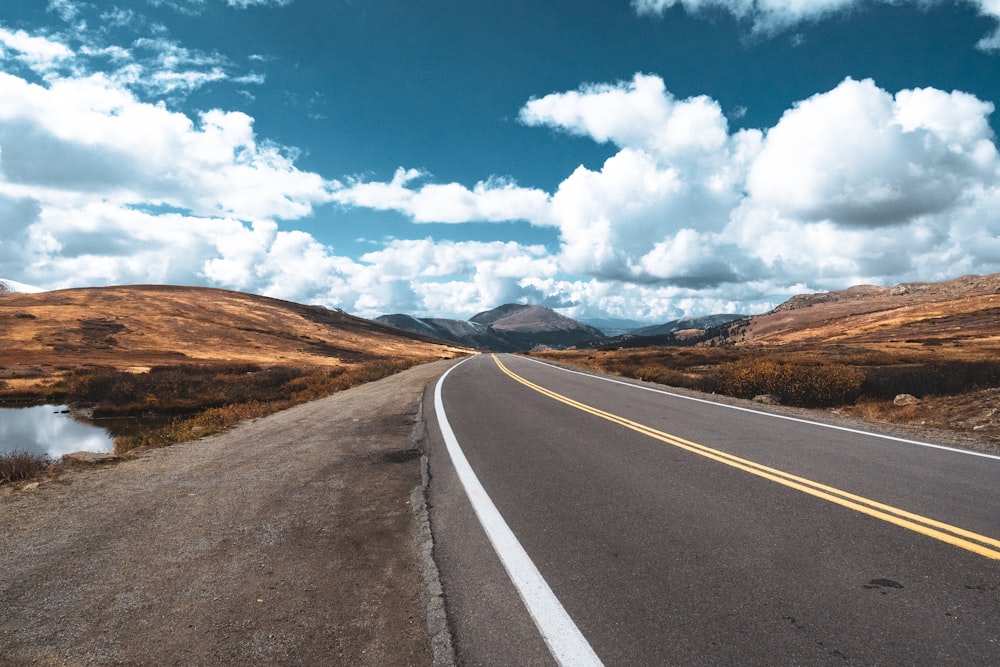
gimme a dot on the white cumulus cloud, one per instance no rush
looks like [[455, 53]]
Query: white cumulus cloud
[[638, 114], [856, 184], [679, 172], [98, 186], [39, 53], [857, 155], [851, 185], [93, 138], [494, 200]]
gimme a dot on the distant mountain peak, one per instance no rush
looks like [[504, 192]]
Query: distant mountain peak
[[532, 319], [510, 327], [686, 322], [14, 287], [500, 312]]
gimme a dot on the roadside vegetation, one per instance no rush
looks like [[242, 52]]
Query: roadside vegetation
[[170, 404], [957, 388], [21, 466]]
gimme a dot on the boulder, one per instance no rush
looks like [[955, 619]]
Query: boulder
[[905, 399], [90, 458]]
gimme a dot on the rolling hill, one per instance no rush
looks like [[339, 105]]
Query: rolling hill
[[960, 312], [141, 326]]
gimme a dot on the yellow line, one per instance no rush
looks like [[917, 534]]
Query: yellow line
[[938, 530]]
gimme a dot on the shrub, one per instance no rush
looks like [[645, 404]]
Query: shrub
[[252, 394], [661, 375], [941, 378], [18, 466], [178, 389], [102, 385], [805, 385], [206, 422]]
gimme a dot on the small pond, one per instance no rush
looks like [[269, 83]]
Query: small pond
[[49, 430]]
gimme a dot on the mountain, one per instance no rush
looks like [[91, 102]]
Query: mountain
[[507, 328], [685, 331], [142, 326], [959, 312], [686, 323], [14, 287], [461, 332], [613, 326], [536, 320]]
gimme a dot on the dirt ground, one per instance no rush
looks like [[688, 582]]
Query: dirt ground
[[297, 539]]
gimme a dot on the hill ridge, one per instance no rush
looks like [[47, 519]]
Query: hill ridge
[[136, 326], [957, 311]]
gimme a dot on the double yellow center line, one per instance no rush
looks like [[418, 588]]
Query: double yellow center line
[[959, 537]]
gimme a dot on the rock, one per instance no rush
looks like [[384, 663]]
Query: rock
[[90, 458], [905, 399], [766, 399]]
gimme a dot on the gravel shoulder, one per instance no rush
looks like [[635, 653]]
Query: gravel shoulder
[[297, 539]]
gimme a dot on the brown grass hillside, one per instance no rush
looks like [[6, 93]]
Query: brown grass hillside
[[961, 313], [156, 365], [138, 327]]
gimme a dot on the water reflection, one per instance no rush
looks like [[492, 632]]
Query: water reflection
[[48, 430]]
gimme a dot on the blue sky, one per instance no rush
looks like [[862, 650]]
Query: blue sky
[[645, 160]]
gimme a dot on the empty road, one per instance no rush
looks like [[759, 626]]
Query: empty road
[[639, 527]]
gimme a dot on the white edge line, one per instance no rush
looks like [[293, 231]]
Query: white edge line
[[968, 452], [565, 641]]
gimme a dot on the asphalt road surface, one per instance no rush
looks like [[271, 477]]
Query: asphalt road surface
[[647, 528]]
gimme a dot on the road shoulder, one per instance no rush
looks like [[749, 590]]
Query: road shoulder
[[287, 540]]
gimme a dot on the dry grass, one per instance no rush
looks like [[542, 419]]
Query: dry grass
[[810, 385], [281, 388], [960, 314], [22, 466], [50, 334], [198, 359], [973, 412], [205, 399]]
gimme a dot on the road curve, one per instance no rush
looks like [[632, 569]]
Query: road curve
[[674, 531]]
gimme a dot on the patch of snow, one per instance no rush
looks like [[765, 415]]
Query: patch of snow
[[14, 287]]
